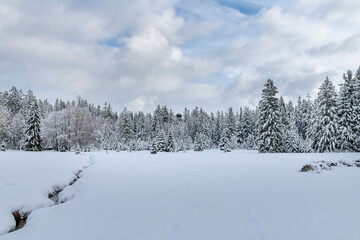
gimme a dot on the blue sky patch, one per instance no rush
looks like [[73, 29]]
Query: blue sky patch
[[244, 7]]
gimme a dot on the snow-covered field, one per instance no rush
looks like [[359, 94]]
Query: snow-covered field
[[194, 195]]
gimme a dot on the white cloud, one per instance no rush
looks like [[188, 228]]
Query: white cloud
[[141, 103], [296, 46], [185, 53]]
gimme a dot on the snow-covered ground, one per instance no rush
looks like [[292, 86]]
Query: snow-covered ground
[[194, 195], [26, 179]]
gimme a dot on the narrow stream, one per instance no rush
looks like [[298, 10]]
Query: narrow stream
[[55, 196], [21, 218]]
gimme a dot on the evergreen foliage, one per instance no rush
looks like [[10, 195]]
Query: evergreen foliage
[[32, 129], [324, 127], [225, 144], [330, 123], [269, 120], [170, 143], [346, 114], [154, 148], [356, 109], [199, 144], [161, 142], [125, 130], [4, 124]]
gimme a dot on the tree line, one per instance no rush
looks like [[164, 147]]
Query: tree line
[[329, 123]]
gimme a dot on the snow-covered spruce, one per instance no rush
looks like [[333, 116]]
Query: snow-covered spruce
[[346, 109], [324, 126], [32, 140], [269, 120], [330, 123]]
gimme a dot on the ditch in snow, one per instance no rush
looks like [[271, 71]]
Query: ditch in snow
[[20, 218]]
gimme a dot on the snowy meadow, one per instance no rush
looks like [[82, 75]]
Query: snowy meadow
[[184, 195], [180, 120]]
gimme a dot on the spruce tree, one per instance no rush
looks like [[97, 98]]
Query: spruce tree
[[228, 137], [4, 124], [32, 129], [324, 128], [251, 142], [170, 143], [269, 122], [284, 115], [200, 142], [248, 126], [225, 144], [356, 80], [154, 148], [346, 114], [231, 123], [161, 142], [14, 101], [284, 124], [240, 129], [217, 129], [106, 137], [27, 103], [292, 139], [126, 130]]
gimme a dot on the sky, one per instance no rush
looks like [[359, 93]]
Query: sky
[[213, 54]]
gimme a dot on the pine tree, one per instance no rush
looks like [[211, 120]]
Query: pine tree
[[126, 130], [187, 142], [228, 137], [154, 148], [330, 123], [269, 120], [248, 126], [240, 129], [161, 142], [225, 144], [4, 125], [356, 108], [106, 136], [170, 143], [200, 142], [27, 102], [284, 115], [324, 128], [284, 124], [251, 142], [217, 129], [292, 139], [231, 122], [346, 113], [32, 130], [303, 112], [139, 126], [14, 101]]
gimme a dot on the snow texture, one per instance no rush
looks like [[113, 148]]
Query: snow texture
[[207, 195], [26, 179]]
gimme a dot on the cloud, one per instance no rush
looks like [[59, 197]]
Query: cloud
[[181, 53], [295, 46], [140, 103]]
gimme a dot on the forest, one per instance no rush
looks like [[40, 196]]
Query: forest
[[329, 123]]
